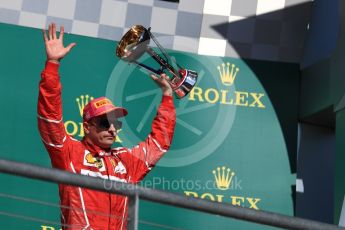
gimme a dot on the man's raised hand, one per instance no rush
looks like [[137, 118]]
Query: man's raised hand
[[163, 83], [55, 49]]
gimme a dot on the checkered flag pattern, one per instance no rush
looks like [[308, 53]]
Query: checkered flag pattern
[[255, 29]]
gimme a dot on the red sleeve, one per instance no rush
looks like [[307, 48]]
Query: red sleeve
[[145, 155], [49, 115]]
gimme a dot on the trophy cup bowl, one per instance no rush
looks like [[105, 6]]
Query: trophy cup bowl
[[135, 43]]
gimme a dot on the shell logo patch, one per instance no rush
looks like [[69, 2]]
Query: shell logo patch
[[90, 160]]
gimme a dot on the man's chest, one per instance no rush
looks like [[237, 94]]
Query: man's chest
[[104, 166]]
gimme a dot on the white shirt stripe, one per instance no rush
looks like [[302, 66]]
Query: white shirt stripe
[[157, 144], [119, 152], [49, 120], [124, 208], [100, 175], [146, 163], [55, 145], [82, 202]]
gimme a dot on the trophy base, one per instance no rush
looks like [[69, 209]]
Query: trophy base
[[186, 84]]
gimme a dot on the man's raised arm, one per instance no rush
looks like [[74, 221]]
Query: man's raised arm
[[144, 156], [49, 109]]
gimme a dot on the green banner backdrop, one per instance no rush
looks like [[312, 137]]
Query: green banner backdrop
[[234, 142]]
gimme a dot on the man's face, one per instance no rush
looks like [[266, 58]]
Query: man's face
[[102, 130]]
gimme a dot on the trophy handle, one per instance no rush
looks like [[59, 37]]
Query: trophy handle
[[155, 71], [163, 63]]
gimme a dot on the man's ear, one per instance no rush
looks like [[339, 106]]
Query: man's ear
[[86, 127]]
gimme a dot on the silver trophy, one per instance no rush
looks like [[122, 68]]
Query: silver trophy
[[135, 43]]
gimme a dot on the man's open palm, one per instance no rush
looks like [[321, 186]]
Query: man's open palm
[[54, 45]]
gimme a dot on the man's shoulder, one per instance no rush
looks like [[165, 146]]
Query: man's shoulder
[[74, 144]]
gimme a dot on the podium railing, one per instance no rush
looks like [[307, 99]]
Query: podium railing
[[136, 192]]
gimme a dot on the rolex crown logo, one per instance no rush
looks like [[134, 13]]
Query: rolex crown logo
[[82, 100], [228, 73], [223, 177]]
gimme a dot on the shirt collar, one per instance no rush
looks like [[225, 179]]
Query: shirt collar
[[95, 150]]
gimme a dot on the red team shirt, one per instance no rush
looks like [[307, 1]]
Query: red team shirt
[[84, 208]]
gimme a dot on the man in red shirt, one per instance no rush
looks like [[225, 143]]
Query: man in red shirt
[[84, 208]]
